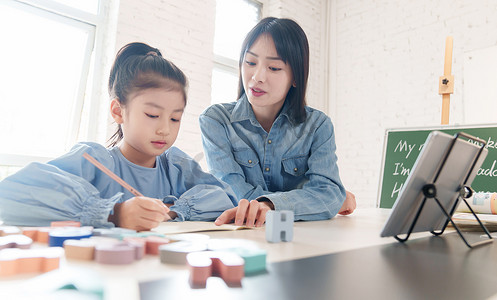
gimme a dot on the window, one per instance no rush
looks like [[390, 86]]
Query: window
[[234, 19], [46, 57]]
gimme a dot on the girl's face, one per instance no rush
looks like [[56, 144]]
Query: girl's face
[[150, 123], [266, 77]]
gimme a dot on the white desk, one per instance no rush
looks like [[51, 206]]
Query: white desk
[[342, 233]]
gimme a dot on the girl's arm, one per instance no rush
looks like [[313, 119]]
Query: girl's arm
[[59, 190]]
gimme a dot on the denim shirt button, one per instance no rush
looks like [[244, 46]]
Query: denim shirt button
[[249, 161], [267, 169], [269, 141], [295, 169]]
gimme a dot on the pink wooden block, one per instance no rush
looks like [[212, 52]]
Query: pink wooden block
[[20, 261], [117, 254], [151, 243], [229, 266], [15, 241], [65, 224]]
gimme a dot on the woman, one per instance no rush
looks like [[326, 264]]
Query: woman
[[269, 146]]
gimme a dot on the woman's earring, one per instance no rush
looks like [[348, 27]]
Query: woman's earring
[[294, 84]]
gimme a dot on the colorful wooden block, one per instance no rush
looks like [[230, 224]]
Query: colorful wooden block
[[254, 258], [20, 261], [37, 234], [65, 224], [151, 243], [117, 254], [15, 241], [58, 236], [116, 232], [175, 253], [279, 226], [83, 249], [227, 265]]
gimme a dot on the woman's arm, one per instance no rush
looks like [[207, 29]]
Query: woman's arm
[[320, 197]]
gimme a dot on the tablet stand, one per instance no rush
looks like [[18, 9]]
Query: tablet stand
[[430, 192]]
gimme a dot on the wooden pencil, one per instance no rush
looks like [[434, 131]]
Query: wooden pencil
[[112, 175]]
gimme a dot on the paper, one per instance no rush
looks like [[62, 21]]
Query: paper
[[193, 226], [467, 221]]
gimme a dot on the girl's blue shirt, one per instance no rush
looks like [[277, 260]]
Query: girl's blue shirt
[[294, 165], [71, 188]]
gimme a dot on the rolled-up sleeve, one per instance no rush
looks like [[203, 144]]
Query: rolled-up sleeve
[[41, 193]]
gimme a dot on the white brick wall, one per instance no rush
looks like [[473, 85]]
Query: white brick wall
[[184, 32], [389, 56]]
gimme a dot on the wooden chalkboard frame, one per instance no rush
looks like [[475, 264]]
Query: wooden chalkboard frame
[[473, 129]]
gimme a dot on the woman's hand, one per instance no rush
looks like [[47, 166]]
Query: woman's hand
[[348, 205], [140, 213], [251, 213]]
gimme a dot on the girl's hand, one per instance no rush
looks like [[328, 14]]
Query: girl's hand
[[140, 213], [348, 205], [250, 213]]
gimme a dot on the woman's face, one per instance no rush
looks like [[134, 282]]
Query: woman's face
[[266, 77]]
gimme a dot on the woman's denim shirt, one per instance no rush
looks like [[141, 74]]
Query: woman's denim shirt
[[294, 165]]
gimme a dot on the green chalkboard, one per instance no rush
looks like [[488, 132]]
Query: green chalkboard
[[402, 147]]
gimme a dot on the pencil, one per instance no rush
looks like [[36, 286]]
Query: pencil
[[111, 175]]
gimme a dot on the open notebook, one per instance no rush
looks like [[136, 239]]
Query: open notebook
[[194, 226]]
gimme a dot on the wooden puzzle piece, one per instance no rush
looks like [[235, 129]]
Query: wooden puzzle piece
[[227, 265], [37, 234], [151, 243], [117, 254], [58, 236], [175, 253], [65, 224], [254, 258], [279, 226], [20, 261], [15, 241], [8, 230], [83, 249], [116, 232]]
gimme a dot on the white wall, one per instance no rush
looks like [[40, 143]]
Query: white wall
[[184, 32], [389, 56]]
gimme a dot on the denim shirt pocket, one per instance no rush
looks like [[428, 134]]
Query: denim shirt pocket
[[245, 157], [296, 165]]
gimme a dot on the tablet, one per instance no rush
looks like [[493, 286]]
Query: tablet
[[462, 163]]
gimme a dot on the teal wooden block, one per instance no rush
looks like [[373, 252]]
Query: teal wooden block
[[255, 259]]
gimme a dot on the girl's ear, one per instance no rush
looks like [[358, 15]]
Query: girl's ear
[[116, 111]]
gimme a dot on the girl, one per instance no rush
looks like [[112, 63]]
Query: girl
[[148, 99], [269, 146]]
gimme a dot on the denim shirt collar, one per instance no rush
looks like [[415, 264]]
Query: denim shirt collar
[[243, 111]]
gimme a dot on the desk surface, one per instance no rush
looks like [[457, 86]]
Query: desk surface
[[311, 239]]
